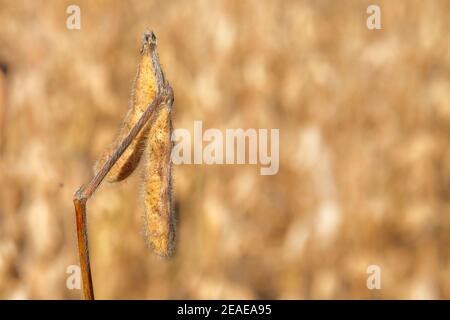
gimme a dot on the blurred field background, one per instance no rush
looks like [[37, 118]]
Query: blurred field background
[[364, 120]]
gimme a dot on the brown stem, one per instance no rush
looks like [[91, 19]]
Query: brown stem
[[85, 192]]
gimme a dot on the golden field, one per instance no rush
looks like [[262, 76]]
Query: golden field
[[364, 176]]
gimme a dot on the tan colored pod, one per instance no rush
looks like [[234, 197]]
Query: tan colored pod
[[144, 90], [159, 216]]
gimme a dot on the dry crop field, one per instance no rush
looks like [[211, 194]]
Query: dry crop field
[[364, 151]]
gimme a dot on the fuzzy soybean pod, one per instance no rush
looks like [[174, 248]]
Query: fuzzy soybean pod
[[147, 130], [144, 90], [159, 213]]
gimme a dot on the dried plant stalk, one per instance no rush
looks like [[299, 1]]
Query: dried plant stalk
[[152, 105], [3, 93]]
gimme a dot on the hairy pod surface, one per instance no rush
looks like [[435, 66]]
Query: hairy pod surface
[[154, 141], [144, 90], [159, 216]]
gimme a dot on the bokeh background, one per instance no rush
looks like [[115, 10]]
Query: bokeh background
[[364, 119]]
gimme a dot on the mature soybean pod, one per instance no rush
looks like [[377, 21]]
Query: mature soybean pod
[[160, 223], [144, 90]]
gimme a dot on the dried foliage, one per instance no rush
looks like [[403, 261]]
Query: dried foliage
[[364, 120]]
